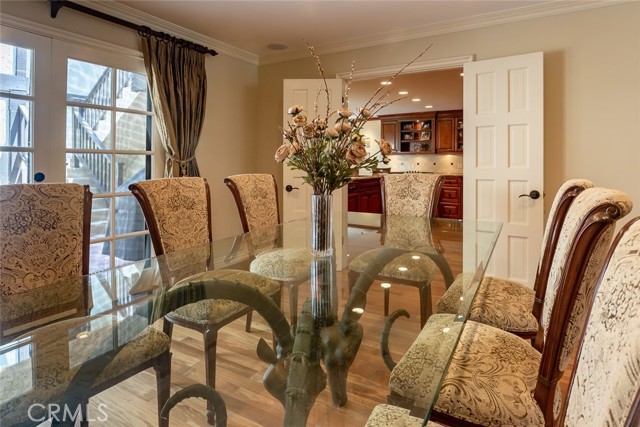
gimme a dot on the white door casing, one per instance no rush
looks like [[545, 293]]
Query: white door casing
[[296, 202], [503, 158]]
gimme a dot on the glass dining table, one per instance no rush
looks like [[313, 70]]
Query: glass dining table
[[330, 369]]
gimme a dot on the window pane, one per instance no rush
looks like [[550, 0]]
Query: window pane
[[15, 127], [88, 83], [132, 249], [92, 169], [99, 258], [132, 91], [100, 217], [131, 168], [129, 217], [15, 167], [16, 70], [88, 128], [133, 132]]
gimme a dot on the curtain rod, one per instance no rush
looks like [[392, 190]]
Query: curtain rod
[[142, 30]]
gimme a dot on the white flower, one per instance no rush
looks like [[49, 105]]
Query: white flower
[[365, 113], [345, 112], [294, 110], [343, 126], [331, 133], [282, 153]]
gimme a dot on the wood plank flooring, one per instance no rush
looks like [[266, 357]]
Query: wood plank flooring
[[239, 371]]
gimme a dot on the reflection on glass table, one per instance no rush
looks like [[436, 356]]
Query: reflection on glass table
[[329, 371]]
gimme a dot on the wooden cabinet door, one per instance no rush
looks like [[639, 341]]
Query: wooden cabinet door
[[390, 134], [445, 136]]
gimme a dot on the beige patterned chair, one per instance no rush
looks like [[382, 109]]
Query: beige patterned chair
[[384, 415], [45, 239], [410, 199], [43, 250], [256, 196], [605, 383], [178, 215], [507, 304], [496, 378]]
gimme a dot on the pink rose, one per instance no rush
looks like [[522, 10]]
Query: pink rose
[[282, 153], [385, 147], [294, 110]]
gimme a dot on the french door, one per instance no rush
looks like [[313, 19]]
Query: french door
[[72, 113]]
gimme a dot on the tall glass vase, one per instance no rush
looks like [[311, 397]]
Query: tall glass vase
[[321, 225]]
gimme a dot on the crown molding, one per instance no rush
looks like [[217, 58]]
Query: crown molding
[[463, 24], [416, 67], [122, 11]]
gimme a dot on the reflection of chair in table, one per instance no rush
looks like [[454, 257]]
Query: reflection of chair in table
[[410, 200]]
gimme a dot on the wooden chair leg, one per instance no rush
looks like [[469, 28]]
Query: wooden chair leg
[[167, 327], [249, 318], [293, 305], [210, 343], [162, 366], [386, 301], [425, 304]]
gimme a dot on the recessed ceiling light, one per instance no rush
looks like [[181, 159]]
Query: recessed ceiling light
[[403, 92], [416, 99], [428, 106], [385, 83], [277, 46]]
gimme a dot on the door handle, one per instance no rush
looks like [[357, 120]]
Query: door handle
[[290, 188], [534, 194]]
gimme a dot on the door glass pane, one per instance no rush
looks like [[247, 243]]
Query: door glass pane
[[132, 91], [16, 70], [92, 169], [100, 217], [130, 169], [15, 127], [133, 132], [88, 83], [88, 128]]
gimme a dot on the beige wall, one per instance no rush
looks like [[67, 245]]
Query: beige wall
[[592, 88], [228, 133], [592, 93]]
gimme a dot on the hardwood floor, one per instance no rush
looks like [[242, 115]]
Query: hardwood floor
[[239, 371]]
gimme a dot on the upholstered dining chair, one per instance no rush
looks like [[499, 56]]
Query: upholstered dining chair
[[45, 239], [407, 196], [510, 305], [256, 196], [178, 215], [495, 377]]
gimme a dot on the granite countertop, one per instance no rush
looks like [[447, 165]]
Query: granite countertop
[[378, 175]]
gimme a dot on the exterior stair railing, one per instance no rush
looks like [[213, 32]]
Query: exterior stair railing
[[18, 137]]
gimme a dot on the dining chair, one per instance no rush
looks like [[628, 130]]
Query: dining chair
[[45, 239], [409, 200], [510, 305], [178, 215], [495, 377], [256, 197]]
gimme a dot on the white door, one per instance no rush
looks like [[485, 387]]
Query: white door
[[295, 193], [503, 158]]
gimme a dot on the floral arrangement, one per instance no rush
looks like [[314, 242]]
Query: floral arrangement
[[330, 148]]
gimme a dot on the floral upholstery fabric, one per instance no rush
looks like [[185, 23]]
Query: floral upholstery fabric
[[491, 379], [607, 375], [180, 212], [384, 415], [287, 264], [419, 270], [46, 378], [582, 205], [450, 301], [410, 194], [259, 199], [217, 310], [41, 227], [504, 303], [409, 233]]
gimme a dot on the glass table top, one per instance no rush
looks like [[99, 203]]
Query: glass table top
[[318, 361]]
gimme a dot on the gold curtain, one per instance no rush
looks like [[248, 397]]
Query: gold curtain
[[178, 83]]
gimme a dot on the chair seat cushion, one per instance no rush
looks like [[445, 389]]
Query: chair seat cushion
[[384, 415], [284, 264], [490, 379], [419, 267], [217, 310], [45, 376], [501, 303]]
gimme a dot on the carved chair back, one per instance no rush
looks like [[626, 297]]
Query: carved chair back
[[411, 194], [177, 211], [580, 255], [605, 384]]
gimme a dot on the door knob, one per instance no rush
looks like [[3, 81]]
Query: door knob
[[290, 188], [534, 194]]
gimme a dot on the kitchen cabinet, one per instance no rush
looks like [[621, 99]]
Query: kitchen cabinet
[[450, 200], [364, 195], [412, 133], [449, 135]]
